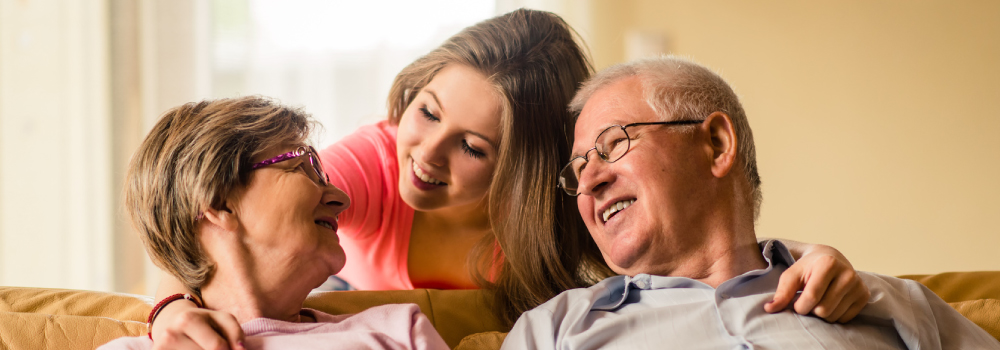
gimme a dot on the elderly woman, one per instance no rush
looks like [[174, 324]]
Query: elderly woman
[[227, 197]]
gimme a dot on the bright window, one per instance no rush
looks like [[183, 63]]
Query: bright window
[[337, 59]]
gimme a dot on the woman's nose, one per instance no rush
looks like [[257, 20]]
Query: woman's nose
[[334, 197]]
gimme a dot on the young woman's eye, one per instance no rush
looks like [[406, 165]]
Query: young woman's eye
[[472, 152], [428, 115]]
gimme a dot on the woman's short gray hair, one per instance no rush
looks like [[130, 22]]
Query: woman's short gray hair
[[196, 156], [679, 89]]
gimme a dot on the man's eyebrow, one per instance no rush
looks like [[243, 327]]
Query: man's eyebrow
[[435, 97]]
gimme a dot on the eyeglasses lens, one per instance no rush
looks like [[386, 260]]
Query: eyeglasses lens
[[321, 177], [611, 145]]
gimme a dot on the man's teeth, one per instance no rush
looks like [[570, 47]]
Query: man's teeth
[[324, 224], [616, 208], [424, 177]]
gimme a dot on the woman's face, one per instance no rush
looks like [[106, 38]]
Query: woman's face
[[290, 220], [447, 141]]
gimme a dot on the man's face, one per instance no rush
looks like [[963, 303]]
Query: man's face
[[658, 179]]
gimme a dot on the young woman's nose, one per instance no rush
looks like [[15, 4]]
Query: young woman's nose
[[434, 149]]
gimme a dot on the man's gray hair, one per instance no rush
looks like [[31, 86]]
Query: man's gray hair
[[678, 89]]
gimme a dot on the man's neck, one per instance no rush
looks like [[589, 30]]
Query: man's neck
[[721, 246], [719, 261]]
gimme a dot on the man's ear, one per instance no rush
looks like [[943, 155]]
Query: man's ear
[[723, 143], [223, 217]]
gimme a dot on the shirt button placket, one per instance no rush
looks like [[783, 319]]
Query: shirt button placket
[[725, 311]]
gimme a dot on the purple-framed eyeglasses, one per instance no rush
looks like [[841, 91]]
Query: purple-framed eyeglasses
[[316, 174]]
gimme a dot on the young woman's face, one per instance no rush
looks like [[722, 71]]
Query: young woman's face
[[447, 141]]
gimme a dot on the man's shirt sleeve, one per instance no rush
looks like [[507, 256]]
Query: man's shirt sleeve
[[921, 318]]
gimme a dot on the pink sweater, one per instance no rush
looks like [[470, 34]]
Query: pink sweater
[[375, 230], [393, 326]]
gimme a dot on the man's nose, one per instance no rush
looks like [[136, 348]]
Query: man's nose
[[595, 177]]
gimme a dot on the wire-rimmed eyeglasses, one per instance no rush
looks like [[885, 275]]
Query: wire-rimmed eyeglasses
[[611, 144]]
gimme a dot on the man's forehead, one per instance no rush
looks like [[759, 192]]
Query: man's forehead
[[615, 104]]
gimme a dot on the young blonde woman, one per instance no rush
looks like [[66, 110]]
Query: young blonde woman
[[457, 188]]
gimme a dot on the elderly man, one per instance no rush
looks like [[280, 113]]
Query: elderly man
[[669, 191]]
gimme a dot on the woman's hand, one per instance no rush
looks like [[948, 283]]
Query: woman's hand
[[182, 325], [831, 289]]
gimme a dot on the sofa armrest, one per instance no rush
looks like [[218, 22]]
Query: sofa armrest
[[119, 306], [961, 286], [20, 330]]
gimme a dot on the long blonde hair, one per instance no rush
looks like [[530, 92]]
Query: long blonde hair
[[534, 62]]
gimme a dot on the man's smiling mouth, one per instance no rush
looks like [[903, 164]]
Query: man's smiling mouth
[[617, 207]]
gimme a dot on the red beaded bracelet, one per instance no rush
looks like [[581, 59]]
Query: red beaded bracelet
[[162, 304]]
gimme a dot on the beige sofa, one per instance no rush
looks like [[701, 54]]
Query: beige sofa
[[37, 318]]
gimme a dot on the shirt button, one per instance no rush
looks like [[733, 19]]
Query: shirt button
[[642, 283], [725, 296]]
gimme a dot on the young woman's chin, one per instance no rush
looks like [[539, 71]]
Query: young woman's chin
[[419, 199], [420, 195]]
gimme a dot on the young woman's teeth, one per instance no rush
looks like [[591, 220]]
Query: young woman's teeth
[[616, 208], [424, 177]]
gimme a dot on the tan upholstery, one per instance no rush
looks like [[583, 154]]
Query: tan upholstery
[[485, 340], [21, 330], [962, 286], [455, 313], [39, 318], [976, 295], [75, 302]]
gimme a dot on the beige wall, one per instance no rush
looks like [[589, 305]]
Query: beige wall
[[876, 122], [80, 83], [56, 194]]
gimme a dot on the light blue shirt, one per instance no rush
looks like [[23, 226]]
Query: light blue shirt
[[657, 312]]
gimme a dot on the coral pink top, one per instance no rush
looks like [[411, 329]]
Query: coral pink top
[[375, 229]]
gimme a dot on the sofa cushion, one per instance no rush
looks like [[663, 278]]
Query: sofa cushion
[[20, 330], [36, 318], [52, 301], [454, 313], [962, 286], [482, 341], [983, 312]]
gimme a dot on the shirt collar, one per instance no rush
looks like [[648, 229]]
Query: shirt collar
[[613, 291]]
